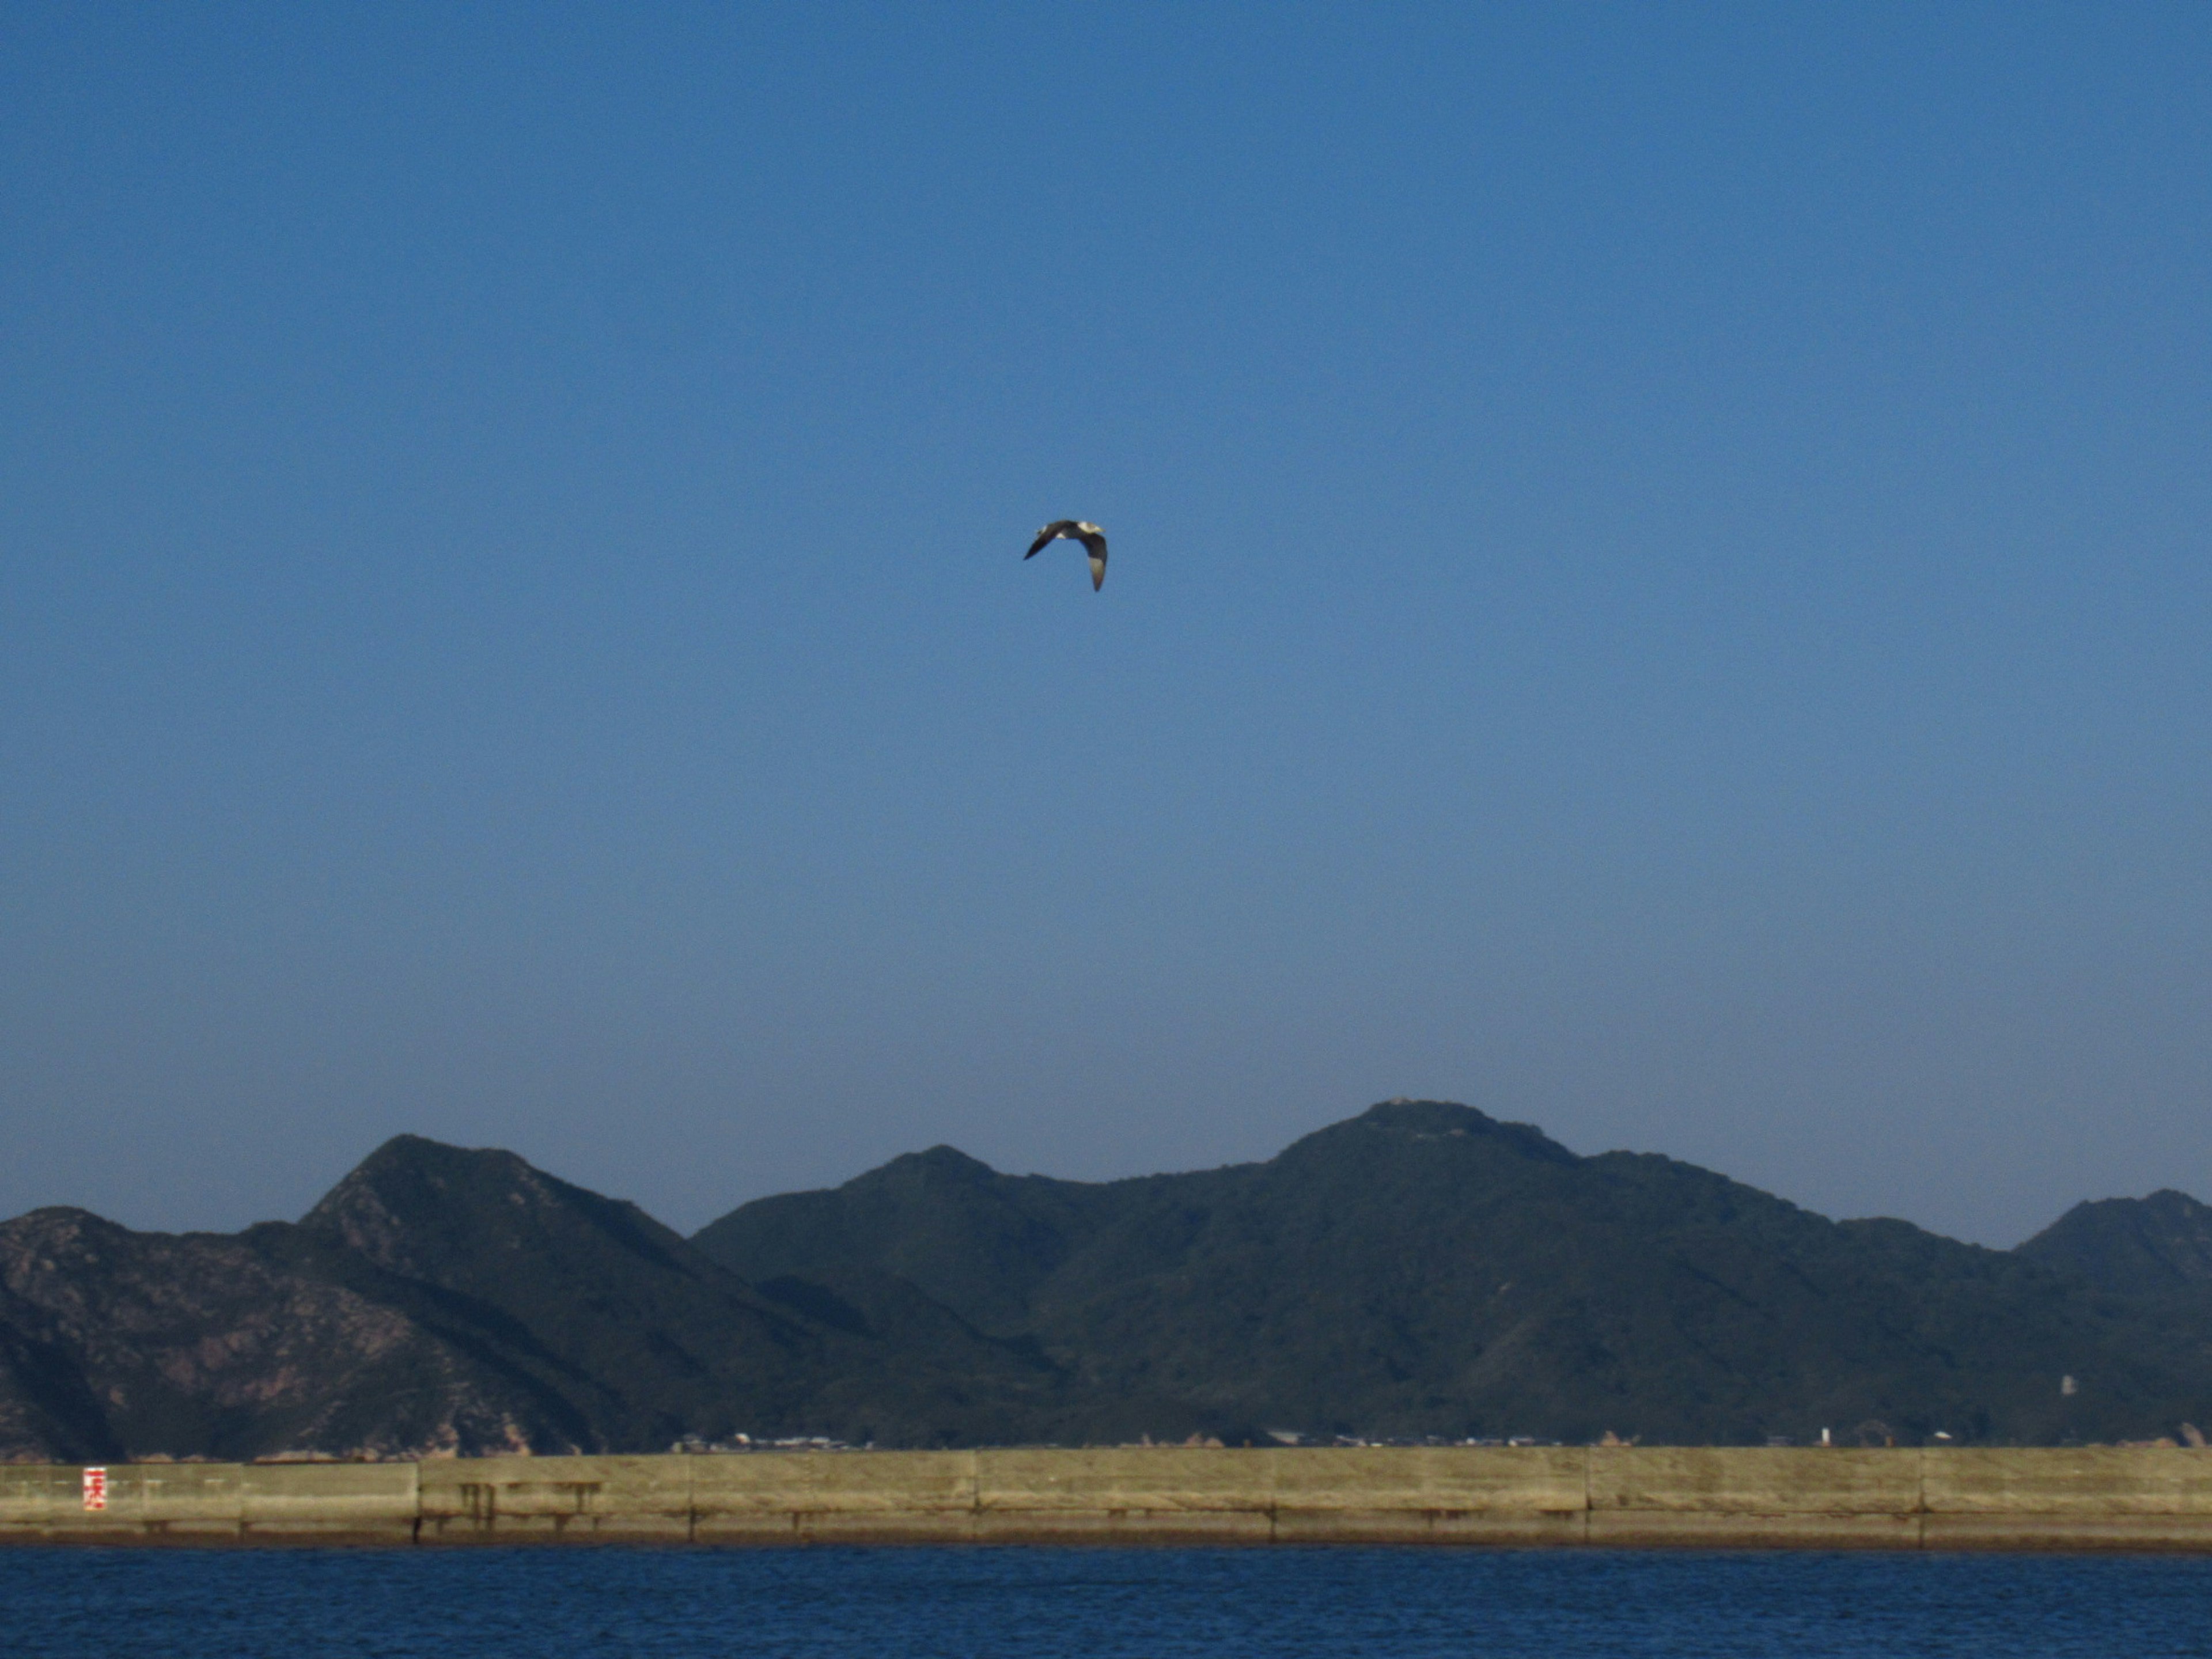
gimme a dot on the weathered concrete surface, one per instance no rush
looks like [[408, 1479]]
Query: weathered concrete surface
[[149, 1503], [1470, 1480], [833, 1498], [1114, 1480], [1737, 1498], [512, 1500], [1743, 1479], [2078, 1481], [2075, 1498], [1517, 1496], [1625, 1497], [328, 1503], [1124, 1494]]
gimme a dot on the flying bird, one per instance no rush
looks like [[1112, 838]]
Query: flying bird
[[1075, 529]]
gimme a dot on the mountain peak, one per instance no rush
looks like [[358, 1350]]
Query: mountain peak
[[1444, 1120], [411, 1167], [2157, 1244], [414, 1201], [1426, 1117], [936, 1166]]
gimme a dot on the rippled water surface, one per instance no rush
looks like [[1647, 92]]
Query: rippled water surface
[[890, 1604]]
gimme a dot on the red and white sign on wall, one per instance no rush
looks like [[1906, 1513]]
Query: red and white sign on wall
[[95, 1489]]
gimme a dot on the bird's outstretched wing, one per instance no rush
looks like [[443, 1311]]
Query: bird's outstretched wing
[[1050, 533], [1094, 545]]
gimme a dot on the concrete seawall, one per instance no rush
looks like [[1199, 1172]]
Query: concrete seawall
[[2097, 1497]]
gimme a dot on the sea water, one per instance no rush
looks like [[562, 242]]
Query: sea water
[[1038, 1604]]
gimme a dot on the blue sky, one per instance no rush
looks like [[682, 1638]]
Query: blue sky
[[1659, 588]]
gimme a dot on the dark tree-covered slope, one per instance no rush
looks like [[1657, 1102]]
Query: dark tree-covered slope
[[976, 1241], [2156, 1246], [1425, 1269]]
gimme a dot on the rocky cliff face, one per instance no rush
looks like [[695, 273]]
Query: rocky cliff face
[[443, 1301], [131, 1342]]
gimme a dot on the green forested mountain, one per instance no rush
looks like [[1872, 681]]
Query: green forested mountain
[[1425, 1269], [1421, 1270]]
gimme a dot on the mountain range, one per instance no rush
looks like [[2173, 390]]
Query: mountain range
[[1420, 1271]]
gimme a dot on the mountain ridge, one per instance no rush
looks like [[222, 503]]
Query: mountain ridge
[[1435, 1270], [1421, 1270]]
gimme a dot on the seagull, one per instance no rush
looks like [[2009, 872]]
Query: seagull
[[1076, 530]]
